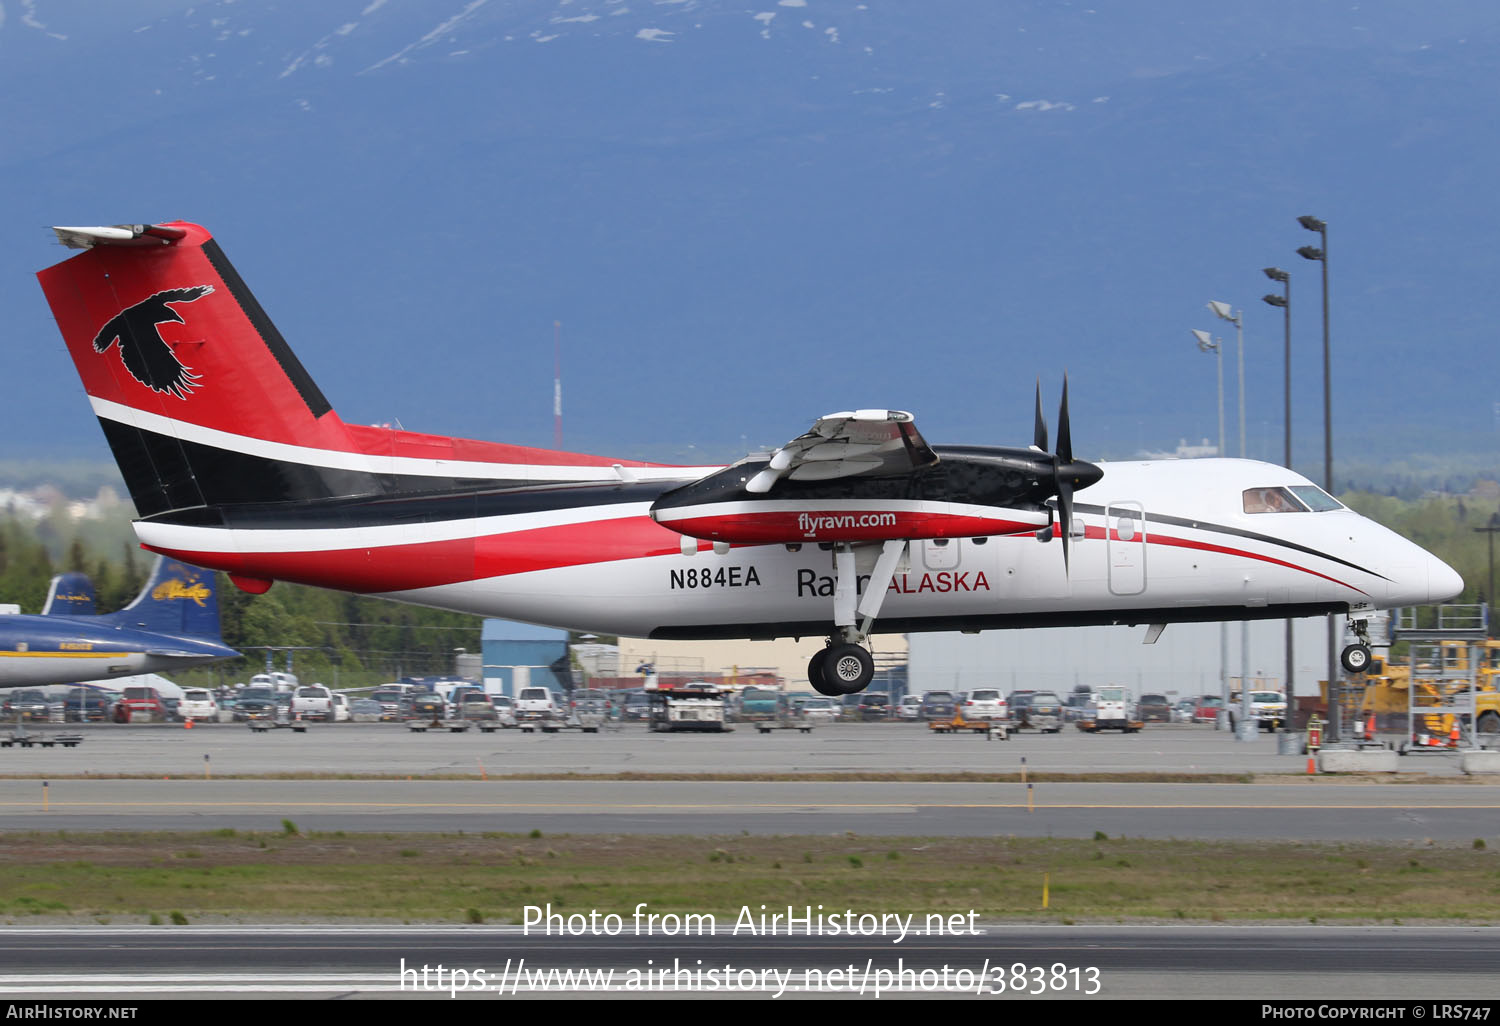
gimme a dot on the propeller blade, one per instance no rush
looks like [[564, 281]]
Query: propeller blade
[[1065, 514], [1039, 434], [1064, 428]]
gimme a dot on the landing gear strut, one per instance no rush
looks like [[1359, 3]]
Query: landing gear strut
[[1356, 658], [846, 666]]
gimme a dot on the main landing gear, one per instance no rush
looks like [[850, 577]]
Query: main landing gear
[[846, 666], [1356, 658], [843, 668]]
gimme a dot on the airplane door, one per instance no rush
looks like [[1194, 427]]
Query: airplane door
[[1125, 523]]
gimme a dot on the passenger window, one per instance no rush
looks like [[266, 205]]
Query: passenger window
[[1271, 500]]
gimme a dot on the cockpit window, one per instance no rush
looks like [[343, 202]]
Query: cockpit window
[[1316, 498], [1273, 500]]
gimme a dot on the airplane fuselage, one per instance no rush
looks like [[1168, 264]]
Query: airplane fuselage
[[41, 650], [1155, 542]]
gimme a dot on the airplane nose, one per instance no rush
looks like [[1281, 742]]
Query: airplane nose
[[1443, 582]]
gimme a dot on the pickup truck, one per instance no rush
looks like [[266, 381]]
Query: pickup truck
[[1267, 708], [312, 702]]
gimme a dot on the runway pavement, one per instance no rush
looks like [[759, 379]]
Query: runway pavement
[[166, 749], [1027, 963], [182, 784]]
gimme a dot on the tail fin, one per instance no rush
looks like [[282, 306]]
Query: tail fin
[[178, 599], [200, 397], [204, 403], [70, 594]]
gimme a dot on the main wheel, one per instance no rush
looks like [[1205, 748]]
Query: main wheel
[[815, 667], [1356, 658], [847, 667]]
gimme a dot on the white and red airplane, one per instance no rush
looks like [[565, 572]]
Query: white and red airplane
[[237, 462]]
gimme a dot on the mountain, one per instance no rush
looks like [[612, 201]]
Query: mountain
[[748, 216]]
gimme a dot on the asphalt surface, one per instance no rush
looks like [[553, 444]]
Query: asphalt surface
[[186, 780], [1025, 963], [166, 749]]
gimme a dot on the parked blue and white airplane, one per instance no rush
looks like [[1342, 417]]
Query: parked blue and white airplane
[[172, 624]]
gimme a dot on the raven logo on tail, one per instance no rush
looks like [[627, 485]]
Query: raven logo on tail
[[146, 355]]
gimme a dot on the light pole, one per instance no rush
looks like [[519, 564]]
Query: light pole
[[1247, 727], [1208, 344], [1320, 254], [1285, 302], [1494, 525]]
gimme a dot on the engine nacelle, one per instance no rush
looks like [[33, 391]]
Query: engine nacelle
[[771, 521]]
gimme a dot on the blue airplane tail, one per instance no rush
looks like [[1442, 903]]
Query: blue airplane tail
[[70, 594], [178, 599]]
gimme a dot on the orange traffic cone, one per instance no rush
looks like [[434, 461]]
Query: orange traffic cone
[[1370, 728], [187, 724], [1453, 735]]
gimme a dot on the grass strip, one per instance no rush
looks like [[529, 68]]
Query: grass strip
[[287, 876]]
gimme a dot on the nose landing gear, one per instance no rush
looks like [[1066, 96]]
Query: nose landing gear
[[1356, 658]]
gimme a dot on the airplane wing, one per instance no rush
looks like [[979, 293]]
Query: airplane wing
[[848, 444]]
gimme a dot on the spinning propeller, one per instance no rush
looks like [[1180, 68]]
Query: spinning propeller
[[1068, 474]]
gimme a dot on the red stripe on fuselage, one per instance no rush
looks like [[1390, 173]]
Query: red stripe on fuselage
[[1185, 543], [431, 564]]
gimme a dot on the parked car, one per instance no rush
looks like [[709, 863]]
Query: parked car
[[390, 697], [984, 704], [1153, 708], [1036, 710], [1207, 709], [910, 708], [25, 705], [819, 710], [1182, 710], [938, 705], [366, 710], [140, 705], [89, 705], [757, 704], [341, 713], [1077, 701], [427, 705], [255, 702], [636, 707], [505, 710], [874, 705], [198, 704], [473, 706]]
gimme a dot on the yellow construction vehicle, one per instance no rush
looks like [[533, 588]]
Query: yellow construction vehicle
[[1441, 678]]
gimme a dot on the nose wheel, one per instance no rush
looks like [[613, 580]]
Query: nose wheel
[[1356, 658], [841, 669]]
